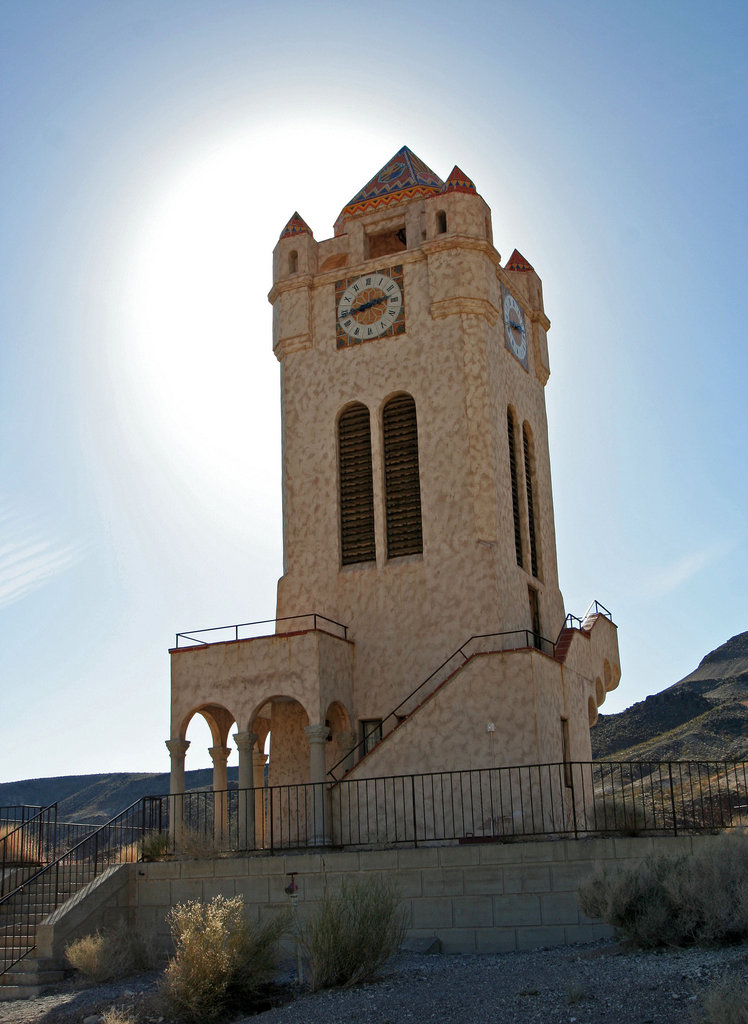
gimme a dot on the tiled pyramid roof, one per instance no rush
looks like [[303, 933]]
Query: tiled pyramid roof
[[402, 177], [296, 226], [517, 262], [458, 182]]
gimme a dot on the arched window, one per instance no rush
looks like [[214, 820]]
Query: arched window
[[401, 477], [529, 453], [512, 438], [357, 542], [293, 262]]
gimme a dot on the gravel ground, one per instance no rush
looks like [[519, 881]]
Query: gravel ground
[[590, 984]]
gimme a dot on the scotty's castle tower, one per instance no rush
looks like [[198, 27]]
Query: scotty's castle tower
[[417, 512]]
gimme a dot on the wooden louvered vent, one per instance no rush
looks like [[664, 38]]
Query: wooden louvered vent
[[529, 473], [401, 478], [356, 489], [515, 486]]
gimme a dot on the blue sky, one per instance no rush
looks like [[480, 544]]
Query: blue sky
[[153, 151]]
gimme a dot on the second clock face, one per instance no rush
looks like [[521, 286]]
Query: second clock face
[[369, 306], [515, 331]]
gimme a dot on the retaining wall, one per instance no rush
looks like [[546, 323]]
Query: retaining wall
[[487, 897]]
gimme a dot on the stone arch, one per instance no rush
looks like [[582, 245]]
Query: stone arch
[[285, 719], [218, 718], [342, 738]]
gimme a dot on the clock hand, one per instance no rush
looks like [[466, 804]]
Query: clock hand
[[369, 304]]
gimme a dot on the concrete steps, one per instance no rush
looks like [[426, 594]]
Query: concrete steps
[[31, 975], [29, 978]]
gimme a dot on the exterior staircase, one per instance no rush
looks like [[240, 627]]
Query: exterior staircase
[[40, 889]]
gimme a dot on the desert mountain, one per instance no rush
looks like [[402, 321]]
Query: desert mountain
[[702, 717]]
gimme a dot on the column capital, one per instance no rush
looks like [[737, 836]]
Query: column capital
[[219, 755], [245, 741], [177, 747], [258, 758], [317, 733]]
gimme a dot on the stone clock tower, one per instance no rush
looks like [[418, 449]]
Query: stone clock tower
[[417, 507]]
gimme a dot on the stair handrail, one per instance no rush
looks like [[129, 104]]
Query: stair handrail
[[597, 608], [531, 638], [20, 833], [99, 858]]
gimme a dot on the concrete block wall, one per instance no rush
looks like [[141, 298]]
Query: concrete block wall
[[106, 902], [475, 898]]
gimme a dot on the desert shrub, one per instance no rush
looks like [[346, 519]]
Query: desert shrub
[[220, 960], [106, 955], [725, 1003], [195, 844], [117, 1015], [352, 934], [154, 846], [701, 898]]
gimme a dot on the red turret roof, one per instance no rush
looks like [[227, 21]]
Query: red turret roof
[[296, 226], [517, 262], [458, 182]]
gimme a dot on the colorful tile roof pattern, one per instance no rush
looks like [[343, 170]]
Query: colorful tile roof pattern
[[405, 176], [458, 181], [296, 226], [517, 262]]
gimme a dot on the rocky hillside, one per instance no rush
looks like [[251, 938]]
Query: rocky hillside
[[702, 717], [97, 798]]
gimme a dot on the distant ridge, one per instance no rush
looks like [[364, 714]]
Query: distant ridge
[[97, 798], [704, 716]]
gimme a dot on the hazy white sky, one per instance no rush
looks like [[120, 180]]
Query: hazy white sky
[[152, 153]]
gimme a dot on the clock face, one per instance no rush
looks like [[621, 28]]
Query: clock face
[[369, 306], [515, 331]]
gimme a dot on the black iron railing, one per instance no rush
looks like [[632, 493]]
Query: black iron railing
[[248, 630], [595, 608], [27, 842], [44, 889], [570, 799]]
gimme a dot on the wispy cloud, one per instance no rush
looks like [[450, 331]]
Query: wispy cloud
[[28, 557], [667, 579]]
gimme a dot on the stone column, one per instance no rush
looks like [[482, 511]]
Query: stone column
[[245, 742], [317, 735], [259, 761], [177, 750], [219, 757]]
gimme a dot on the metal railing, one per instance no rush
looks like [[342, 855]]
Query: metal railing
[[568, 799], [483, 643], [43, 890], [26, 844], [247, 630], [594, 608]]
